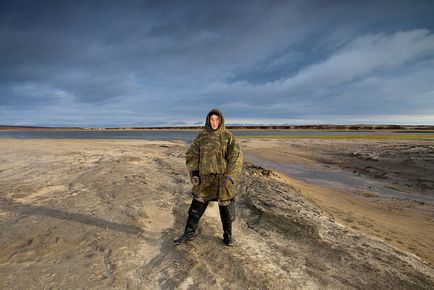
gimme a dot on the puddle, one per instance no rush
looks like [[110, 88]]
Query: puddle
[[336, 178]]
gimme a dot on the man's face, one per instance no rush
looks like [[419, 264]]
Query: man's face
[[214, 121]]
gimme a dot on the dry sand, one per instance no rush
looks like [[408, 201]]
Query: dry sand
[[102, 214]]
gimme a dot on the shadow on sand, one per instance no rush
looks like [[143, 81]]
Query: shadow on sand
[[26, 209]]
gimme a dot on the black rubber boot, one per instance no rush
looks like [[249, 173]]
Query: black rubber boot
[[227, 216], [227, 235], [195, 212]]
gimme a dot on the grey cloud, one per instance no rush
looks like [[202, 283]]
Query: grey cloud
[[30, 94], [365, 55], [371, 56], [157, 61]]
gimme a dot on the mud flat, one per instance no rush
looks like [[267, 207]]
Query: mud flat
[[101, 214], [381, 187]]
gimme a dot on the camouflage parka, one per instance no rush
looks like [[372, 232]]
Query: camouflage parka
[[217, 156]]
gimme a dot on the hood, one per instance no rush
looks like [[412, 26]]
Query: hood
[[222, 121]]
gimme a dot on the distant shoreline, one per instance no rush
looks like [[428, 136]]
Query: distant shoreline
[[326, 127]]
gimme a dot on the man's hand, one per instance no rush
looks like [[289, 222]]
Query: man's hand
[[195, 180], [194, 177], [228, 180]]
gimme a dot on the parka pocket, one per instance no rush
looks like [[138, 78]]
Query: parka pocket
[[228, 191]]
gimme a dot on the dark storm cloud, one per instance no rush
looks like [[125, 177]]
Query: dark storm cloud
[[101, 63]]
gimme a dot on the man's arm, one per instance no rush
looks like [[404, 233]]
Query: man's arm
[[235, 159], [192, 156]]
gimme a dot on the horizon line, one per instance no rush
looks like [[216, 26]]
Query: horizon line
[[234, 126]]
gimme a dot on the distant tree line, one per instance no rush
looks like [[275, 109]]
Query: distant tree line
[[239, 127]]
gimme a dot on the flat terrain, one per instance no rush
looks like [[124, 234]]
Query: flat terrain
[[102, 214], [405, 166]]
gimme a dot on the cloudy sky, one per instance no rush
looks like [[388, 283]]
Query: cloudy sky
[[164, 63]]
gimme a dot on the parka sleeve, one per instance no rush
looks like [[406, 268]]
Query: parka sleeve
[[192, 156], [235, 159]]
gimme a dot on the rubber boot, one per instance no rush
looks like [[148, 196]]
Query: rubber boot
[[195, 212], [227, 235], [227, 216]]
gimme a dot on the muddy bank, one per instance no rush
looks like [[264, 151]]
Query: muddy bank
[[102, 214], [407, 165], [391, 204]]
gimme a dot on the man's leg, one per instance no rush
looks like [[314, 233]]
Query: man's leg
[[195, 212], [227, 216]]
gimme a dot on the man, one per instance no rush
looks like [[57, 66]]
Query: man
[[214, 160]]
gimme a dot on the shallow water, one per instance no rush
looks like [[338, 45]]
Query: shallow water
[[187, 135], [336, 178]]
